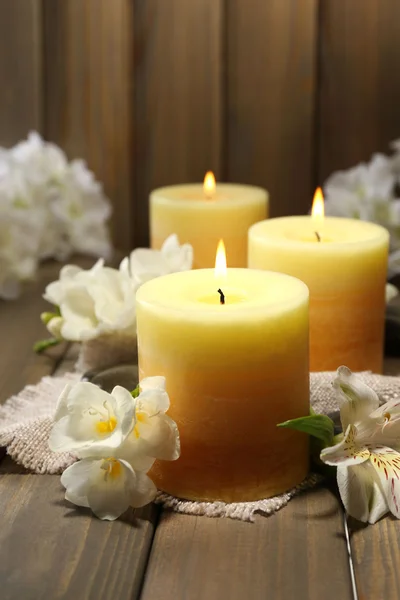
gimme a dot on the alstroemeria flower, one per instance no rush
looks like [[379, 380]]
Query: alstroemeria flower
[[108, 486], [145, 264], [90, 421], [367, 457], [155, 435], [92, 302]]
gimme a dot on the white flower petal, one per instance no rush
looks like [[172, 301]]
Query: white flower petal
[[110, 491], [152, 401], [76, 480], [144, 490], [361, 493], [92, 422], [125, 408], [347, 452], [391, 292], [160, 438], [357, 399], [153, 383], [55, 326], [386, 463], [62, 403]]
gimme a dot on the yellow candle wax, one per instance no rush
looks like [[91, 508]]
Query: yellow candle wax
[[233, 372], [202, 215], [344, 264]]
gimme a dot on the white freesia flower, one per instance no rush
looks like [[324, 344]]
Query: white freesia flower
[[155, 435], [90, 422], [92, 302], [145, 264], [368, 456], [118, 437], [108, 486]]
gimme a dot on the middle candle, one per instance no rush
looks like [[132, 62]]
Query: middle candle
[[234, 351], [202, 214]]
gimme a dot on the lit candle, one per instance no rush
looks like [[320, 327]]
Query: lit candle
[[233, 347], [344, 264], [201, 214]]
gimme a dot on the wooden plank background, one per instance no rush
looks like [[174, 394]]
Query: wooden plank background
[[149, 92]]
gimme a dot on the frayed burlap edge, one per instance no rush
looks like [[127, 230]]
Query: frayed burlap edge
[[242, 511]]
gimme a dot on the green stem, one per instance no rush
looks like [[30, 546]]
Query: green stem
[[42, 345]]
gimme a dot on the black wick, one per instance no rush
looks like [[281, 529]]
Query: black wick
[[221, 293], [318, 236]]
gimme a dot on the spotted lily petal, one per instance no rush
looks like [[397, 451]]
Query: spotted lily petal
[[361, 492], [386, 463], [347, 452]]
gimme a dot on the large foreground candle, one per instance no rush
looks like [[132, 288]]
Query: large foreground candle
[[344, 264], [233, 371], [201, 214]]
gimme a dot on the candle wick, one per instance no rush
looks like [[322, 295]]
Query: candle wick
[[221, 293], [318, 236]]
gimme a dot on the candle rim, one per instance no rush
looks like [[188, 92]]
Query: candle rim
[[378, 235], [252, 194], [251, 307]]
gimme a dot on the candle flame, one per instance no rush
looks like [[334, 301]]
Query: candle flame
[[209, 184], [220, 261], [318, 210]]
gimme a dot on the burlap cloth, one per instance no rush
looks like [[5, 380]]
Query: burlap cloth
[[26, 421]]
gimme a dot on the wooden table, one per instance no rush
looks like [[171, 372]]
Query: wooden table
[[49, 550]]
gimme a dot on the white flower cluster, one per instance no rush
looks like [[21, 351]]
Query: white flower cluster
[[117, 438], [49, 207], [369, 192], [101, 301]]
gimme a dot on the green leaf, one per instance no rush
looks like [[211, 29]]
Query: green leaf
[[135, 393], [318, 426], [42, 345]]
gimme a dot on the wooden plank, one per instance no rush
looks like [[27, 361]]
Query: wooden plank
[[376, 555], [359, 94], [88, 74], [178, 96], [20, 69], [271, 93], [298, 553], [20, 328], [50, 550]]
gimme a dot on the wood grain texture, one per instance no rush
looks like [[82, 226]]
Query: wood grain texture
[[88, 91], [178, 100], [271, 81], [49, 549], [20, 328], [20, 69], [202, 558], [376, 556], [359, 84]]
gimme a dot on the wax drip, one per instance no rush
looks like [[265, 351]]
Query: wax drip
[[221, 293], [318, 236]]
